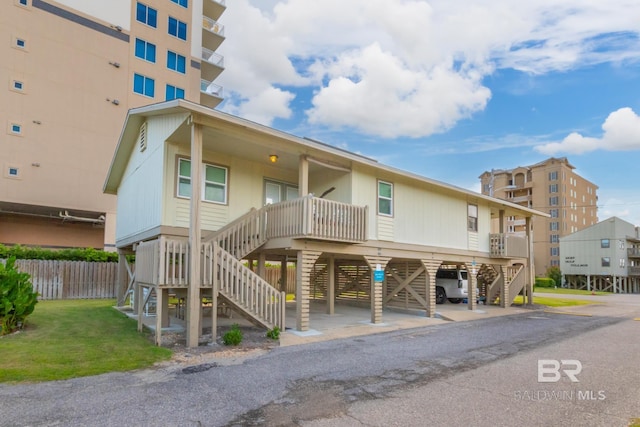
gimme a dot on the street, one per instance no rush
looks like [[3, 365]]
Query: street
[[483, 372]]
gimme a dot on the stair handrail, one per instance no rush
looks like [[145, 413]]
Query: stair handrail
[[516, 283], [243, 235], [242, 287]]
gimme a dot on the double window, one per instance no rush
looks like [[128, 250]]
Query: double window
[[214, 177], [173, 92], [177, 28], [553, 188], [144, 85], [183, 3], [605, 243], [145, 50], [176, 62], [385, 198], [146, 15]]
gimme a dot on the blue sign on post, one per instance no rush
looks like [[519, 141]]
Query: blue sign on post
[[378, 276]]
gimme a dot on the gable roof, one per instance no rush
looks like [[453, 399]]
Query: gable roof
[[137, 116]]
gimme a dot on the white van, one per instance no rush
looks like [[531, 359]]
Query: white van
[[451, 284]]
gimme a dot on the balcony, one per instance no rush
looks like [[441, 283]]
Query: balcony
[[519, 199], [214, 8], [633, 271], [212, 33], [507, 246], [212, 64], [210, 94], [315, 218], [633, 252]]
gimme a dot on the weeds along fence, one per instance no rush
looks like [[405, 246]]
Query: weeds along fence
[[71, 279]]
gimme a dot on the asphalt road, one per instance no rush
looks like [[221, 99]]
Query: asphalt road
[[468, 373]]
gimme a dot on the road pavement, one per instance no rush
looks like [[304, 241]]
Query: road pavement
[[482, 372]]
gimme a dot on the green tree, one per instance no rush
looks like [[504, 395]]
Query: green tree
[[555, 274], [17, 299]]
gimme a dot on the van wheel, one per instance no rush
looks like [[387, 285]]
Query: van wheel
[[440, 295], [455, 300]]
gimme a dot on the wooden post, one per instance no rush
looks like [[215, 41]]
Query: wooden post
[[331, 284], [303, 176], [160, 313], [283, 275], [193, 298], [472, 283], [214, 292]]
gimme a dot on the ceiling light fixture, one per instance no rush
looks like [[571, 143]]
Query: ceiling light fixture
[[273, 158]]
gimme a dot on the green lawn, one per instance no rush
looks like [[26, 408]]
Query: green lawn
[[567, 291], [75, 338], [553, 301]]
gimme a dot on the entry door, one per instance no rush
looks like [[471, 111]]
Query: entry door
[[276, 192]]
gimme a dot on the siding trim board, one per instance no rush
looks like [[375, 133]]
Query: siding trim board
[[65, 14]]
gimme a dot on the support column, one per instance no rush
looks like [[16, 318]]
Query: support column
[[331, 284], [376, 287], [589, 282], [162, 312], [303, 176], [283, 275], [431, 266], [472, 284], [125, 277], [530, 266], [504, 292], [304, 265], [194, 302], [262, 261]]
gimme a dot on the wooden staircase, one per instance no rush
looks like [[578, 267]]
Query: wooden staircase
[[515, 277]]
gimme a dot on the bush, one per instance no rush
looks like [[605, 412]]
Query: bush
[[274, 333], [233, 336], [555, 274], [72, 254], [17, 299], [544, 282]]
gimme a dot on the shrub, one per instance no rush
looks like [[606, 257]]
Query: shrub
[[17, 299], [544, 282], [274, 333], [233, 336], [71, 254], [555, 274]]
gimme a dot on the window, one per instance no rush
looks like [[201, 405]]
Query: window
[[385, 198], [553, 188], [555, 263], [176, 62], [553, 201], [622, 262], [173, 92], [620, 244], [276, 192], [15, 128], [553, 176], [555, 251], [145, 50], [13, 171], [472, 217], [554, 226], [21, 43], [183, 3], [604, 243], [554, 238], [23, 2], [215, 182], [177, 28], [17, 85], [553, 213], [146, 15], [606, 261], [143, 85]]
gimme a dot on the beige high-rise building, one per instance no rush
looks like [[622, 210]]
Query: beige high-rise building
[[71, 69], [550, 186]]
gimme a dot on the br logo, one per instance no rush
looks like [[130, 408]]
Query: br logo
[[549, 370]]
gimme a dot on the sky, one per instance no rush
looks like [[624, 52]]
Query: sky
[[448, 89]]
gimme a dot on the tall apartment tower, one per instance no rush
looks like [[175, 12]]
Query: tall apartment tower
[[70, 71], [550, 186]]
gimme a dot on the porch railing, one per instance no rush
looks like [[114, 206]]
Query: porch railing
[[163, 262], [507, 246]]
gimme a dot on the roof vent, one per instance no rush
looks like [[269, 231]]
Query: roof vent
[[143, 137]]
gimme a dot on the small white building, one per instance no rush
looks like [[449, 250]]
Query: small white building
[[603, 257]]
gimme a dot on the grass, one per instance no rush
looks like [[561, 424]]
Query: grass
[[74, 338], [553, 301], [568, 291]]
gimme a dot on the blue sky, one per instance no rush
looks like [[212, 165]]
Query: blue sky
[[449, 88]]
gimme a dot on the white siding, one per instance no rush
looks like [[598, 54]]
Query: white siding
[[140, 192], [385, 228]]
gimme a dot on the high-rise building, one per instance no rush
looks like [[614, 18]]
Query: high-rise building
[[550, 186], [71, 70]]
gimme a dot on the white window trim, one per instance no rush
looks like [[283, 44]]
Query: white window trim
[[204, 182], [384, 198]]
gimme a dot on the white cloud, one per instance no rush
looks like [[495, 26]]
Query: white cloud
[[408, 67], [621, 133]]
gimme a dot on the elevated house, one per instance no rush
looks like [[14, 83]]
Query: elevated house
[[356, 229]]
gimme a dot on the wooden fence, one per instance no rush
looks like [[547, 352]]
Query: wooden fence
[[71, 279]]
